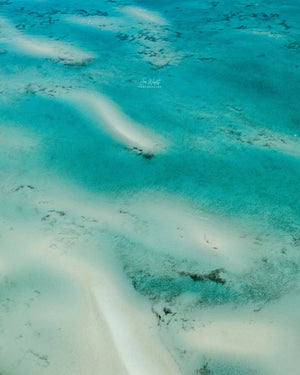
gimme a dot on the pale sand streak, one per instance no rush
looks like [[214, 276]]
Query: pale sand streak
[[123, 314], [116, 322], [42, 47], [144, 15], [107, 116], [125, 317], [267, 339], [139, 24], [38, 46], [141, 352]]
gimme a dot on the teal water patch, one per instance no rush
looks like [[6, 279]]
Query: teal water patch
[[165, 277]]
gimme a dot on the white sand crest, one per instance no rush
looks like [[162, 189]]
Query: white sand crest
[[38, 46], [144, 15], [145, 32], [107, 116], [57, 50], [266, 339], [129, 322]]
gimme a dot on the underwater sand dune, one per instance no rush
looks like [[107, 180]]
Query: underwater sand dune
[[47, 314], [144, 31], [129, 320], [107, 116], [56, 50], [42, 47], [144, 15], [59, 295], [165, 226], [244, 131], [172, 225], [111, 23], [123, 321], [250, 338]]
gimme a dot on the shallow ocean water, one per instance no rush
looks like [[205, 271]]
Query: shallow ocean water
[[159, 140]]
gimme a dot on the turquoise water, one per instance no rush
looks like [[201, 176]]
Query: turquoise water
[[217, 81]]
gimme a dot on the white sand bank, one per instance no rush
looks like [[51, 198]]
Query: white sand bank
[[129, 321], [75, 312], [60, 326], [166, 225], [144, 15], [173, 226], [264, 339], [145, 32], [108, 116], [42, 47]]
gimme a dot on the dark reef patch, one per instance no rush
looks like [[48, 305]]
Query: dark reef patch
[[212, 276]]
